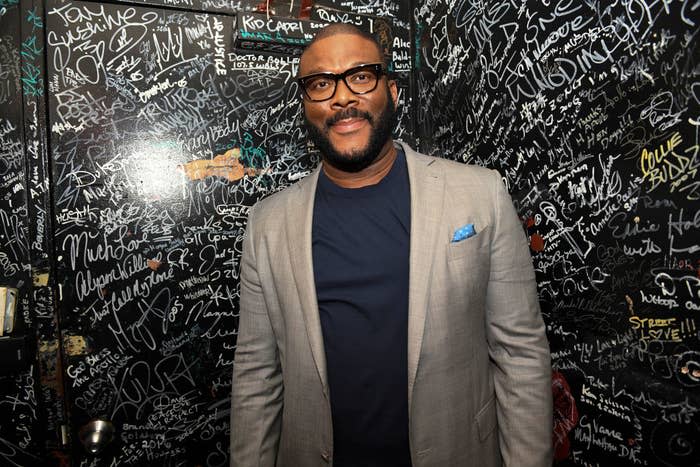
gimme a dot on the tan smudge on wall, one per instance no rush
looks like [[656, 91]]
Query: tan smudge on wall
[[226, 165]]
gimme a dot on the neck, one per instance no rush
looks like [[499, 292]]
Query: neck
[[370, 175]]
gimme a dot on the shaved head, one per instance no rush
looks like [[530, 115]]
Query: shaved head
[[334, 29]]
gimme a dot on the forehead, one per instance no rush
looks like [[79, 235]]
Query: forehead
[[338, 53]]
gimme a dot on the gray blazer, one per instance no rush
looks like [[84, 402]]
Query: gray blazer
[[479, 375]]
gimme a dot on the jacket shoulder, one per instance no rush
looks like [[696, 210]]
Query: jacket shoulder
[[458, 173], [461, 169]]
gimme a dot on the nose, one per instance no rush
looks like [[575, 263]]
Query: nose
[[343, 96]]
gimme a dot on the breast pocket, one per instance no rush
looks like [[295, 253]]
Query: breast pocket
[[475, 246]]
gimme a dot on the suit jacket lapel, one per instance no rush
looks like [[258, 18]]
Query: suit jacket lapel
[[299, 220], [427, 194]]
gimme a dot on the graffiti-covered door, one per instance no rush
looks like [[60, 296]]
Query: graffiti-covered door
[[162, 135]]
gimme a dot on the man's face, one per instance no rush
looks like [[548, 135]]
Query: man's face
[[349, 129]]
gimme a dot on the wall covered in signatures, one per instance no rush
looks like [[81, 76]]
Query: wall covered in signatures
[[155, 127], [591, 112], [134, 136], [18, 398]]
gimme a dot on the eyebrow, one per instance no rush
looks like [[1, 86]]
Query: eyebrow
[[317, 70]]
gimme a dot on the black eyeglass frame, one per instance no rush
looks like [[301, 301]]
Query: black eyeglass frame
[[378, 69]]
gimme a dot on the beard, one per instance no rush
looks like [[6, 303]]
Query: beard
[[359, 158]]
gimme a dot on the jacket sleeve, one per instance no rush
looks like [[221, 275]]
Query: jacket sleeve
[[517, 343], [257, 389]]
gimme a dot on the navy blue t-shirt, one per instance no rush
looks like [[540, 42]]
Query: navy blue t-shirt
[[361, 266]]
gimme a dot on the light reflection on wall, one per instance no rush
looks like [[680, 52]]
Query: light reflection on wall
[[152, 171]]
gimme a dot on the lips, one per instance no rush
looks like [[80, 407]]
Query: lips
[[348, 121], [348, 125], [348, 118]]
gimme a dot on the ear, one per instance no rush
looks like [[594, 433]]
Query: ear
[[394, 91]]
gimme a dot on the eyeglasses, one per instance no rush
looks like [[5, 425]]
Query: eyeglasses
[[360, 80]]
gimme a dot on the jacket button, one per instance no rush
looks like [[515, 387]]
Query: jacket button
[[325, 456]]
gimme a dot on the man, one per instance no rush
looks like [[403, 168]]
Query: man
[[388, 306]]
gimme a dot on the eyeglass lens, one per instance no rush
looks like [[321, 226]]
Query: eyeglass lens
[[360, 80]]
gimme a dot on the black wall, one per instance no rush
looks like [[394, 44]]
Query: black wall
[[590, 112], [136, 135], [18, 383]]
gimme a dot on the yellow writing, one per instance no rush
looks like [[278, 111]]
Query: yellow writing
[[638, 322], [658, 329], [650, 160], [665, 165]]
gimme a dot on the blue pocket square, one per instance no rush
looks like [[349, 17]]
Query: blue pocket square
[[463, 233]]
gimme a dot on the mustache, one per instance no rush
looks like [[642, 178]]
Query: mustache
[[347, 113]]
